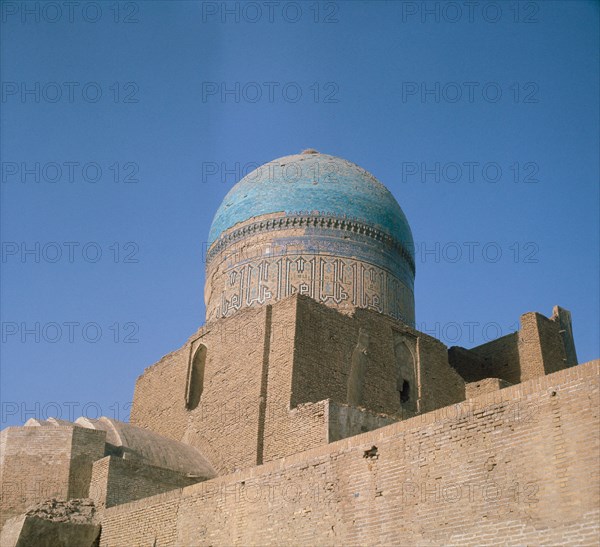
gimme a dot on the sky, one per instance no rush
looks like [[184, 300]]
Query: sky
[[124, 124]]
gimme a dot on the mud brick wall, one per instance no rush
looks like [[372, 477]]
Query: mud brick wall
[[116, 481], [498, 359], [159, 395], [440, 384], [347, 421], [225, 425], [265, 365], [99, 482], [541, 347], [487, 385], [478, 473], [40, 532], [152, 522], [536, 349], [468, 364], [326, 340], [44, 462], [88, 445]]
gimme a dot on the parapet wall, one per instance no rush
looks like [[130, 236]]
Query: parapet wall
[[116, 481], [541, 346], [516, 466], [496, 359]]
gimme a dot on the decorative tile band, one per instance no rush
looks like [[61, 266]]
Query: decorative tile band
[[306, 221]]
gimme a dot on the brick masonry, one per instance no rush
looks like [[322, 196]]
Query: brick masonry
[[38, 463], [538, 348], [115, 481], [487, 385], [515, 466], [271, 383], [268, 369], [315, 412]]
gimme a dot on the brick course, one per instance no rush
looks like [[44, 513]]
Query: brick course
[[268, 368], [516, 466], [45, 462]]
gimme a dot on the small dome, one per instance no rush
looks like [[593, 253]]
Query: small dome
[[313, 183], [135, 443]]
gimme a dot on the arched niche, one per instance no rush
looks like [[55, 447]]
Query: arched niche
[[195, 385], [406, 377]]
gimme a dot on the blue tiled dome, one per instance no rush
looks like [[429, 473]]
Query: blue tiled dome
[[313, 183]]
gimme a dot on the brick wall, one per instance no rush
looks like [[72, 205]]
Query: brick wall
[[538, 348], [44, 462], [159, 396], [440, 384], [347, 421], [98, 490], [487, 385], [514, 466], [87, 446], [468, 364], [39, 532], [224, 426], [497, 359], [116, 481], [265, 366], [541, 346]]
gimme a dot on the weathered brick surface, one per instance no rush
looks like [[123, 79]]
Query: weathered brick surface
[[36, 532], [474, 389], [541, 349], [538, 348], [116, 481], [517, 466], [265, 365], [45, 462], [224, 424], [496, 359], [346, 421], [87, 446], [98, 489], [159, 395]]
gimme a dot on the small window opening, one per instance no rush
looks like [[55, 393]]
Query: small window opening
[[405, 392]]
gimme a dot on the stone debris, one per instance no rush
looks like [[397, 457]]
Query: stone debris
[[77, 511]]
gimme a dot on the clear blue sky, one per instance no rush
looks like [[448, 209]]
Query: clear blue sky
[[399, 91]]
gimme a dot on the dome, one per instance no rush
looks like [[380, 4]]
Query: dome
[[135, 443], [311, 224], [315, 183]]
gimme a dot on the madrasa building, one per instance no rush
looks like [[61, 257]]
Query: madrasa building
[[308, 410]]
